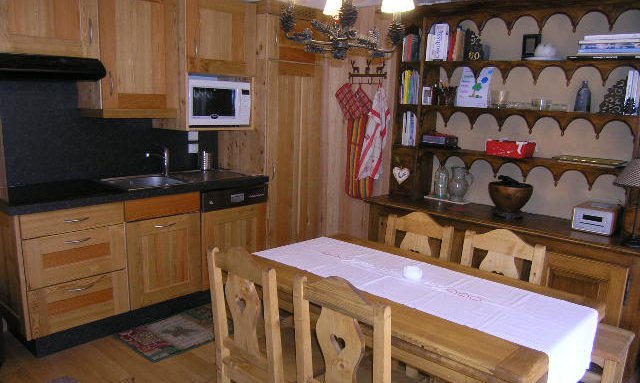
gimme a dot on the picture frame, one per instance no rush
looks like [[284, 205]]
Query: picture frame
[[529, 44], [427, 95]]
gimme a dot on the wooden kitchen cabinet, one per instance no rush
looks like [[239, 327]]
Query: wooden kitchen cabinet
[[139, 49], [294, 93], [241, 226], [221, 37], [164, 258], [50, 27], [74, 303], [60, 269]]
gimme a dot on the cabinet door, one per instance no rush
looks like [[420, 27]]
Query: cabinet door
[[221, 36], [241, 226], [600, 281], [50, 27], [138, 47], [293, 152], [164, 258]]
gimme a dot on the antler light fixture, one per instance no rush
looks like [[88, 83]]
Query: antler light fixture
[[341, 36]]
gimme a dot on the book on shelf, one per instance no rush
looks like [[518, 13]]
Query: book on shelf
[[409, 84], [609, 41], [411, 48], [620, 55], [616, 36], [437, 43], [630, 51], [607, 46], [409, 125], [632, 92], [603, 57]]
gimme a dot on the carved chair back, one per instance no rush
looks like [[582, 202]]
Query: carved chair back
[[238, 355], [419, 227]]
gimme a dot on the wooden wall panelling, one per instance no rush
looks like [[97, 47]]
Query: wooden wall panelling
[[61, 27], [12, 276]]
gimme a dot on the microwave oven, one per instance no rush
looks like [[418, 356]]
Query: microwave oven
[[219, 101]]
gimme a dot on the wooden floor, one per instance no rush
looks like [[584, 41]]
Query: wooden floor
[[106, 360], [109, 360]]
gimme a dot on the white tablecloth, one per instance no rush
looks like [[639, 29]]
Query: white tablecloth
[[563, 330]]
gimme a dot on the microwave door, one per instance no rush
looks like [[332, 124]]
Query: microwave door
[[213, 103]]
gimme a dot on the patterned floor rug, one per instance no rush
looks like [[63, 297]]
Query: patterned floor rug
[[171, 336]]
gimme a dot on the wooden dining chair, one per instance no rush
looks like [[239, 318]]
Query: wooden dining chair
[[339, 334], [503, 248], [238, 356], [418, 228]]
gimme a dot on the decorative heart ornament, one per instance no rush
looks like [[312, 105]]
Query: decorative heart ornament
[[401, 174]]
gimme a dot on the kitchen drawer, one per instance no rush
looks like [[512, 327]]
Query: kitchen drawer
[[164, 206], [67, 305], [64, 221], [65, 257]]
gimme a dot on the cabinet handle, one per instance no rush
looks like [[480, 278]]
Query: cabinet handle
[[74, 241], [195, 43], [90, 31], [83, 288], [76, 220], [163, 226], [276, 40], [273, 171], [110, 84]]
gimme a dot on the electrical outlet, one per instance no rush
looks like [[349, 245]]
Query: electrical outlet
[[192, 136], [193, 148]]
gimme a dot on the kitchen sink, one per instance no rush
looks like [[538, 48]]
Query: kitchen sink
[[141, 182]]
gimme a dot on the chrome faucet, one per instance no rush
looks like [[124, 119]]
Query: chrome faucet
[[165, 159]]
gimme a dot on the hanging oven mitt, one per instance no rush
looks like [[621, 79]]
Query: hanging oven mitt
[[347, 101]]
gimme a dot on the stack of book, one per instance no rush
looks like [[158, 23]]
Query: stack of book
[[616, 46], [445, 46], [411, 48], [409, 92], [409, 126], [632, 93]]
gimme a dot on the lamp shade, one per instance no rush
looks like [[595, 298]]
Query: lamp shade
[[630, 175], [397, 6], [332, 7]]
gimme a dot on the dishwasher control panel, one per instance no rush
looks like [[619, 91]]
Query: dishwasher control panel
[[228, 198]]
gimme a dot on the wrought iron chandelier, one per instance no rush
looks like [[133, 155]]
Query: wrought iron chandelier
[[341, 36]]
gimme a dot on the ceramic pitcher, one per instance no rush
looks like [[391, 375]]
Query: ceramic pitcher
[[441, 182], [460, 181]]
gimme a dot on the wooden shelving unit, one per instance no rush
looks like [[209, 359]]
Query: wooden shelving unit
[[569, 67], [557, 168], [597, 120], [419, 161]]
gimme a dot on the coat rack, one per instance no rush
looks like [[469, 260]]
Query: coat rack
[[367, 76]]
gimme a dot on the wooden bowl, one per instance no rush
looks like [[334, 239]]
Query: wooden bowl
[[509, 199]]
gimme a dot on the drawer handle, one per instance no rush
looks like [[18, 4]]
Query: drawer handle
[[83, 288], [163, 226], [76, 220], [74, 241]]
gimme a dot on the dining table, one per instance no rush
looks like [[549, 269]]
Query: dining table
[[447, 331]]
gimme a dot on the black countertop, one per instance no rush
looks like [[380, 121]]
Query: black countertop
[[76, 193]]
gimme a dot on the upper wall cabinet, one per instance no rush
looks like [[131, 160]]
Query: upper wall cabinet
[[139, 49], [49, 27], [221, 37]]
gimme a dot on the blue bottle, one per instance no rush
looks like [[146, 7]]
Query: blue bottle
[[583, 98]]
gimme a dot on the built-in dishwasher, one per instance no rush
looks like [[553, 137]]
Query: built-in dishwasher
[[233, 217]]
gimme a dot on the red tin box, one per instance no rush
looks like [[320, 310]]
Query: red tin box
[[511, 149]]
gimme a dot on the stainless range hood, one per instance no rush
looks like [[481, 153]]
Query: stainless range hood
[[27, 66]]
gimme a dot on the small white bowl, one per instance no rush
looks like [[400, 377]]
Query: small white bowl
[[413, 273]]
